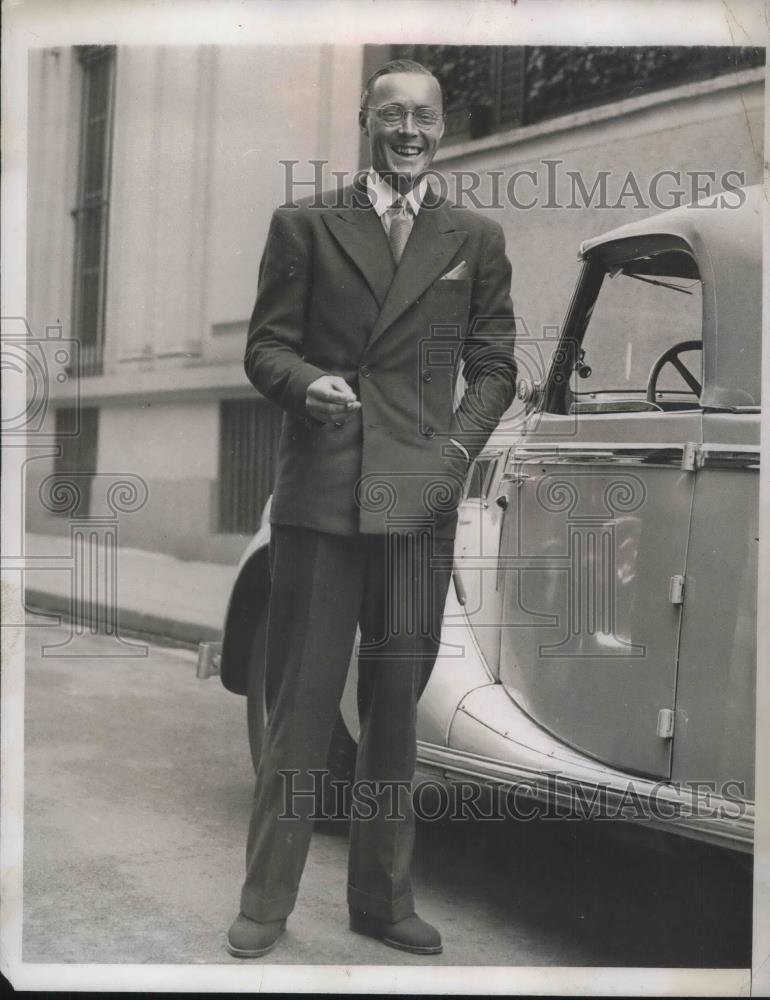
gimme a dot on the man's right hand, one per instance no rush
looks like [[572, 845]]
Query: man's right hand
[[330, 398]]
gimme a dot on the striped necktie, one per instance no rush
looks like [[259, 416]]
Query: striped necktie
[[401, 222]]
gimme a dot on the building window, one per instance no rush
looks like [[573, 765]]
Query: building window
[[482, 85], [494, 88], [97, 64], [560, 79], [77, 434], [248, 448]]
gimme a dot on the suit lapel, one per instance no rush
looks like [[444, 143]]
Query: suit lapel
[[433, 242], [358, 230]]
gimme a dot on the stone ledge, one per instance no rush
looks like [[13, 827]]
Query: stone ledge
[[155, 628], [597, 115], [175, 382]]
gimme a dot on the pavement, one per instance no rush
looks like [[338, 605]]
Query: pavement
[[158, 595], [138, 785]]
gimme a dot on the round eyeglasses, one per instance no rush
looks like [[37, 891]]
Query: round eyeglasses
[[395, 114]]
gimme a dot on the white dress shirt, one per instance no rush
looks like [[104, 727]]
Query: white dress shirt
[[382, 196]]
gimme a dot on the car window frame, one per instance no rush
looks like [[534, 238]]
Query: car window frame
[[493, 457], [596, 263]]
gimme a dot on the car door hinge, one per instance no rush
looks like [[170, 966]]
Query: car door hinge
[[666, 717], [676, 589], [691, 456]]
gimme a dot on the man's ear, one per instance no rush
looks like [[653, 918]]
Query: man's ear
[[362, 122]]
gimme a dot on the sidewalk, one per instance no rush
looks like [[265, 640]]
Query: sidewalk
[[157, 594]]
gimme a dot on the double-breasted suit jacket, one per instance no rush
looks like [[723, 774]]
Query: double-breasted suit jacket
[[332, 301]]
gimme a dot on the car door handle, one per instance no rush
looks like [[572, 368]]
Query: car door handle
[[515, 477], [502, 501]]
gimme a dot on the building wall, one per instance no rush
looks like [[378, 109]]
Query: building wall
[[54, 103], [174, 448], [198, 135]]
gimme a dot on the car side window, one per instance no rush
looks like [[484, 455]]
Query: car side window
[[479, 479], [647, 316]]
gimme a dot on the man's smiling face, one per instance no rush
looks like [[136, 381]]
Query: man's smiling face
[[402, 152]]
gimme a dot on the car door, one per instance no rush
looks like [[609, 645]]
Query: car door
[[595, 539]]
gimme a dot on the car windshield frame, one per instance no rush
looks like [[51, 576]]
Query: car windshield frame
[[652, 252]]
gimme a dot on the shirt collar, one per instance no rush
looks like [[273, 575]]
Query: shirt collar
[[382, 194]]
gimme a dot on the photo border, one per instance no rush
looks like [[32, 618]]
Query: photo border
[[29, 25]]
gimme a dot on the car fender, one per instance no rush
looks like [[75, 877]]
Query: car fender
[[248, 596]]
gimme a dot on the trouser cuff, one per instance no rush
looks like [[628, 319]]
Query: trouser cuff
[[389, 910], [258, 907]]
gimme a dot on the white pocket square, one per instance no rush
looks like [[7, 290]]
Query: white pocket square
[[457, 273]]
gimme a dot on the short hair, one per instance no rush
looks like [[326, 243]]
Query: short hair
[[397, 66]]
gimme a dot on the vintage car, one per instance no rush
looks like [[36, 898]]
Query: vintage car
[[599, 644]]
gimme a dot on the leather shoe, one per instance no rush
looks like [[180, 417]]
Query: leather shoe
[[410, 934], [249, 938]]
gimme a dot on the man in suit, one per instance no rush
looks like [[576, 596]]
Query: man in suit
[[365, 311]]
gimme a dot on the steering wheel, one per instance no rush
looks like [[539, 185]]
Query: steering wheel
[[671, 357]]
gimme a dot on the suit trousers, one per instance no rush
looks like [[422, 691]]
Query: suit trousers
[[394, 587]]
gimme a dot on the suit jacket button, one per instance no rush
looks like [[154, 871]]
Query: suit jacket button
[[429, 432], [426, 376], [365, 370]]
